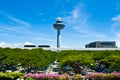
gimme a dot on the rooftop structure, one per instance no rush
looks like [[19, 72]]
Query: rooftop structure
[[101, 44], [44, 46], [39, 46], [29, 46]]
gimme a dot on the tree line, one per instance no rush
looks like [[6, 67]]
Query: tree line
[[39, 58], [109, 59], [35, 58]]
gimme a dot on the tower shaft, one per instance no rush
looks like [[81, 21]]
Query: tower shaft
[[58, 38]]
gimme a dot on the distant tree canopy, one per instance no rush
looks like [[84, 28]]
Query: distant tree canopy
[[42, 58], [109, 58], [34, 57]]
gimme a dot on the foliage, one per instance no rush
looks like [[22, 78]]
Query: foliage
[[10, 75], [75, 56], [34, 58], [39, 58], [112, 62], [115, 66], [90, 58]]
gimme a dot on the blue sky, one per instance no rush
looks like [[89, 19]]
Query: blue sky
[[31, 22]]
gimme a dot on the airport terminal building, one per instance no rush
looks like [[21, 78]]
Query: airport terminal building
[[101, 44]]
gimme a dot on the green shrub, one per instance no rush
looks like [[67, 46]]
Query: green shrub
[[10, 75]]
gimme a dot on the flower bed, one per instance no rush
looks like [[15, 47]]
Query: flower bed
[[31, 76], [102, 76], [93, 76]]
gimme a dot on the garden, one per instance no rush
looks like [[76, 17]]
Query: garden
[[25, 64], [39, 76]]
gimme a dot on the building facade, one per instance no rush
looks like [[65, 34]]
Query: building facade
[[101, 44]]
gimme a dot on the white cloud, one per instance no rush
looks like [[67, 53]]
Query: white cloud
[[13, 28], [14, 31], [77, 17], [24, 23], [19, 32], [117, 34], [18, 20], [117, 18], [116, 25], [28, 43], [3, 44], [75, 13], [115, 28], [78, 20], [15, 45]]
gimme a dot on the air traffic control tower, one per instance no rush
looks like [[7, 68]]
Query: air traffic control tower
[[58, 26]]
